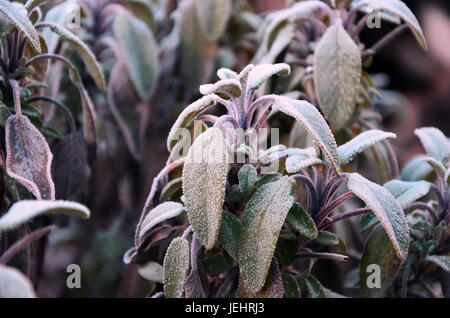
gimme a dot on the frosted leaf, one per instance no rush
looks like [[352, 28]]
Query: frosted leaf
[[316, 290], [70, 167], [326, 238], [447, 177], [213, 16], [271, 153], [225, 73], [416, 169], [337, 73], [379, 250], [58, 13], [139, 52], [28, 157], [290, 286], [435, 164], [263, 218], [17, 16], [272, 27], [435, 143], [244, 74], [247, 176], [222, 88], [175, 268], [387, 210], [360, 143], [284, 38], [204, 180], [152, 271], [31, 4], [310, 118], [260, 73], [160, 213], [273, 286], [170, 189], [398, 8], [300, 220], [23, 211], [14, 284], [443, 261], [83, 50], [187, 116], [407, 192], [296, 163], [230, 231]]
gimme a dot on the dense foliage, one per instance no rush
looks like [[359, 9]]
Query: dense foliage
[[279, 169]]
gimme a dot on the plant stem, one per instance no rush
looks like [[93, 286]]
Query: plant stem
[[16, 96], [312, 190], [60, 105], [406, 275], [345, 215], [19, 245], [50, 56], [333, 205], [332, 256], [381, 44]]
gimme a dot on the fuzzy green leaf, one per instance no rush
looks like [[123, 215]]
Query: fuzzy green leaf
[[387, 210], [398, 8], [379, 251], [337, 73], [187, 116], [14, 284], [310, 118], [213, 16], [28, 157], [160, 213], [175, 268], [225, 73], [277, 23], [296, 163], [300, 220], [326, 238], [204, 180], [273, 285], [435, 143], [264, 216], [14, 14], [290, 286], [223, 88], [139, 52], [260, 73], [316, 290], [360, 143], [443, 261], [229, 233], [407, 192], [367, 221], [247, 177], [83, 50], [23, 211], [416, 169], [152, 271]]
